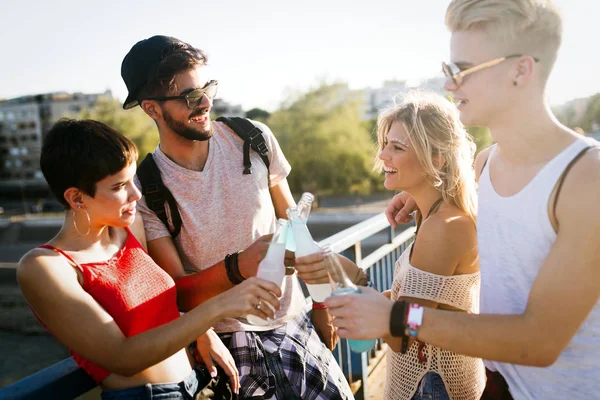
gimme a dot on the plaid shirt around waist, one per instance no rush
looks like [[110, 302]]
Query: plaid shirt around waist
[[286, 363]]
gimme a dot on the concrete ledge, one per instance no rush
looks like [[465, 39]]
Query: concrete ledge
[[8, 273]]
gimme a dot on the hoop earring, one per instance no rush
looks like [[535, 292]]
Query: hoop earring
[[75, 222]]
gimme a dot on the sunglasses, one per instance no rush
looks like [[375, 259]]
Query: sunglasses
[[193, 98], [457, 75]]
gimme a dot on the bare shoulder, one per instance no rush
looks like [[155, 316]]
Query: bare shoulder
[[579, 197], [449, 227], [480, 161], [444, 240], [40, 267]]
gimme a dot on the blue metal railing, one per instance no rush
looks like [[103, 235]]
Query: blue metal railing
[[380, 266], [64, 380]]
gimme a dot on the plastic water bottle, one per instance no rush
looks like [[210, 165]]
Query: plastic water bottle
[[342, 285], [305, 245], [304, 206], [272, 267]]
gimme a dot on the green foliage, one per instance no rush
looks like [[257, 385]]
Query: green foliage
[[134, 123], [591, 118], [258, 114], [583, 113], [325, 141], [481, 137]]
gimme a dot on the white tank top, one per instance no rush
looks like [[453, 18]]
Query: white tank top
[[515, 237]]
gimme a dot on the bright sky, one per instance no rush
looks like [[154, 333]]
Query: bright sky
[[262, 50]]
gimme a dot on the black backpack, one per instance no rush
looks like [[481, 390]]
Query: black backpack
[[158, 197]]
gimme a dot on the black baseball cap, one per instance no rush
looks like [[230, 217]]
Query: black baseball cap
[[141, 63]]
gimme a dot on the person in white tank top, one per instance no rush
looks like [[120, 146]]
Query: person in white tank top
[[538, 221]]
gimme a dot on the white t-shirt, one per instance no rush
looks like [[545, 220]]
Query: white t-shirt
[[224, 211]]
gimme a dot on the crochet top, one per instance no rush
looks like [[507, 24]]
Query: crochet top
[[464, 377]]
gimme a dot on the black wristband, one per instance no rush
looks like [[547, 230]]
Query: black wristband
[[398, 322], [233, 270]]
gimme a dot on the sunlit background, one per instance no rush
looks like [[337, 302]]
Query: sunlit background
[[260, 51]]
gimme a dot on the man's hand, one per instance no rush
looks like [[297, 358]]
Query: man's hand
[[322, 321], [210, 349], [249, 258], [400, 209], [361, 316]]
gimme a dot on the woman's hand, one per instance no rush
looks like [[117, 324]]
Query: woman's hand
[[253, 296], [311, 269], [210, 350], [400, 209]]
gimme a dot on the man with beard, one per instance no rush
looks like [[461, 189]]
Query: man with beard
[[224, 211]]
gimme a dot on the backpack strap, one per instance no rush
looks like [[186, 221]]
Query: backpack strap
[[157, 194], [252, 137]]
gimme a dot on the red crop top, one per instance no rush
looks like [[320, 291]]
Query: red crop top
[[132, 288]]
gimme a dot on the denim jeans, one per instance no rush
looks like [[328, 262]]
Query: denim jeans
[[431, 388], [184, 390]]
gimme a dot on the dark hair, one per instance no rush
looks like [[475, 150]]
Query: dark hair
[[80, 153], [177, 57]]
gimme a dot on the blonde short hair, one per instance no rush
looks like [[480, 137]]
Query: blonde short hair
[[528, 27], [434, 129]]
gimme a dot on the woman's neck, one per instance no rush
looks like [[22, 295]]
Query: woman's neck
[[425, 197], [82, 238]]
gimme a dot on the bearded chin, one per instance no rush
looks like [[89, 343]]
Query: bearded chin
[[192, 134], [185, 131]]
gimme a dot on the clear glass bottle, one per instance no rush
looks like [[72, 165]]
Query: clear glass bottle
[[341, 285], [304, 207], [305, 245], [272, 267]]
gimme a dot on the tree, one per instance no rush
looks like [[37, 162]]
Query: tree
[[134, 123], [481, 137], [325, 141], [258, 114], [591, 119]]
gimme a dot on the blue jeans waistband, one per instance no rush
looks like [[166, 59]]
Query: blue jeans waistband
[[186, 389]]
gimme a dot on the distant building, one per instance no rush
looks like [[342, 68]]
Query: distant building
[[221, 107], [383, 97], [23, 123]]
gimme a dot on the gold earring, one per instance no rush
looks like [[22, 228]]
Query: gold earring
[[75, 221]]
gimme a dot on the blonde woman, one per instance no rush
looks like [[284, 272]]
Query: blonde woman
[[425, 150]]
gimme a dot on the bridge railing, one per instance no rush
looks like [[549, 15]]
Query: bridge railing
[[380, 266], [65, 380]]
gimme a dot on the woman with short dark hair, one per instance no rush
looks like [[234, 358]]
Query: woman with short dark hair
[[96, 289]]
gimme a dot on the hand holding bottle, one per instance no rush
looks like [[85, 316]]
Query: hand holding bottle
[[249, 258], [305, 245], [311, 269], [272, 268], [254, 296], [341, 285]]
